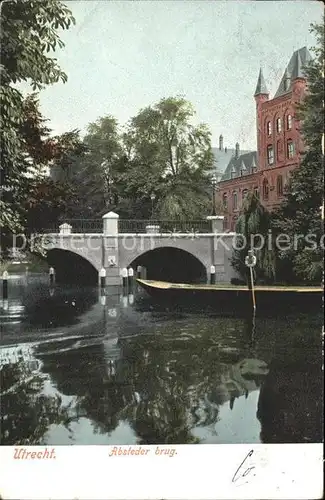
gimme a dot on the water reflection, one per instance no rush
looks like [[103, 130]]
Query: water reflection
[[160, 388], [113, 370]]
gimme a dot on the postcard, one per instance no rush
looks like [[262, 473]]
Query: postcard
[[162, 240]]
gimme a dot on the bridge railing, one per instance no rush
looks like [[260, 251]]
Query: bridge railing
[[81, 226], [163, 226], [135, 226]]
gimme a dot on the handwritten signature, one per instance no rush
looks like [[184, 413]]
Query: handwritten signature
[[243, 470]]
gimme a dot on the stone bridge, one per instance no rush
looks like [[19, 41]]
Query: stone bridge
[[173, 255]]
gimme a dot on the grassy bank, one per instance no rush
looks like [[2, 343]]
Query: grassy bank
[[35, 264]]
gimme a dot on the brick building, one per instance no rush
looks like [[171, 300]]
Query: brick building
[[279, 144]]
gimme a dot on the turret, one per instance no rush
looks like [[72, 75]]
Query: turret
[[298, 78], [297, 72], [261, 96], [261, 92]]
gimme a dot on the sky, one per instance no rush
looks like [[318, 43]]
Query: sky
[[125, 55]]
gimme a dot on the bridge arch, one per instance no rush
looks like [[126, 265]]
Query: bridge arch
[[168, 263], [71, 267]]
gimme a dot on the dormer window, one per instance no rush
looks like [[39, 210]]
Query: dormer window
[[278, 125], [289, 122], [243, 169], [269, 128]]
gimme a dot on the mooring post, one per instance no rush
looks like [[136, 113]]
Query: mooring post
[[130, 278], [5, 276], [124, 278], [212, 275], [250, 261], [52, 275], [102, 277]]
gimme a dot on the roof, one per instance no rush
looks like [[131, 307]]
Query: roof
[[243, 165], [261, 85], [222, 158], [295, 69]]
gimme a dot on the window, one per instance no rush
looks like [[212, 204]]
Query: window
[[270, 155], [269, 128], [290, 149], [279, 150], [234, 201], [278, 124], [289, 122], [279, 185], [244, 193], [256, 192], [225, 201], [265, 190]]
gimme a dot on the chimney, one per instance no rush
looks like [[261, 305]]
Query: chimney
[[237, 151], [220, 142]]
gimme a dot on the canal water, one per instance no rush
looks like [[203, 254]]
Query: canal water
[[80, 367]]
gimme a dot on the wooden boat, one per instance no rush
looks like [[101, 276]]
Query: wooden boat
[[227, 297]]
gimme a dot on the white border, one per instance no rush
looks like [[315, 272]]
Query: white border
[[202, 472]]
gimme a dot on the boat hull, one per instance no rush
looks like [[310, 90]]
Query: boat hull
[[236, 299]]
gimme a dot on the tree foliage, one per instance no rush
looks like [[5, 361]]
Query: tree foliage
[[300, 213], [159, 153], [169, 156], [28, 35], [253, 230], [95, 174]]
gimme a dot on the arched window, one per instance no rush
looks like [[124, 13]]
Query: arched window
[[244, 193], [265, 189], [278, 125], [290, 149], [256, 191], [279, 185], [234, 200], [225, 201], [269, 128], [270, 155], [289, 122]]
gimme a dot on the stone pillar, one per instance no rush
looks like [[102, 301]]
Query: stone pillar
[[216, 223], [110, 224], [110, 255], [65, 228]]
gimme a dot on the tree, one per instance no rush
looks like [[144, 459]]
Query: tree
[[95, 174], [160, 153], [300, 213], [168, 156], [29, 31], [252, 228]]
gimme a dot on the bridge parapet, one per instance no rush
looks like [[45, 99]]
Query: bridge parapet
[[111, 225]]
